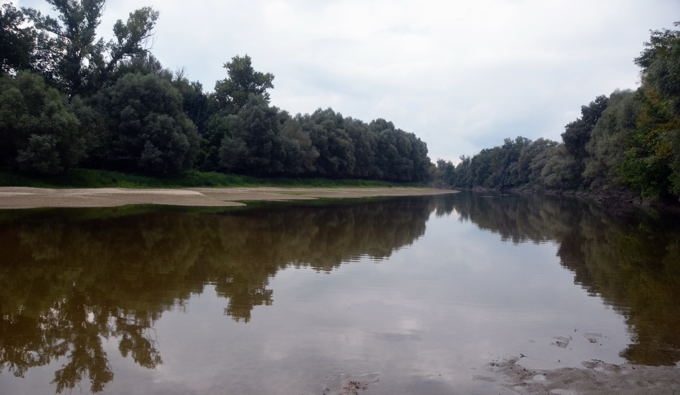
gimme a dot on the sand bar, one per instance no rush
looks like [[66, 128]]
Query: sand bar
[[23, 197]]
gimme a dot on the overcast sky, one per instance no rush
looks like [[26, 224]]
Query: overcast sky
[[461, 75]]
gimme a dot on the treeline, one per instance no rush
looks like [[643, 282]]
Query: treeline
[[69, 99], [626, 142]]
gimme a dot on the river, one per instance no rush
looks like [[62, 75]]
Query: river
[[382, 296]]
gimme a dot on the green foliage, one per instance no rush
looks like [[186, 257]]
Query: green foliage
[[16, 40], [234, 92], [611, 137], [336, 154], [88, 178], [577, 133], [38, 130], [647, 163], [147, 129], [300, 153], [73, 57], [253, 143], [126, 112], [660, 62], [629, 140]]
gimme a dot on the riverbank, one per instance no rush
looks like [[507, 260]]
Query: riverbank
[[26, 197], [615, 202], [91, 178]]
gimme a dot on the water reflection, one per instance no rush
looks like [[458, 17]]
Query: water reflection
[[68, 283], [630, 260], [71, 280]]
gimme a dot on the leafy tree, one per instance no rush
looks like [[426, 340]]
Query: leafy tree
[[532, 160], [300, 154], [194, 100], [647, 163], [16, 40], [445, 173], [243, 85], [577, 134], [660, 67], [38, 130], [79, 62], [253, 143], [147, 129], [656, 155], [242, 81], [336, 155], [561, 171], [610, 139]]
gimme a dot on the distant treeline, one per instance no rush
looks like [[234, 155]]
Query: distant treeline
[[629, 141], [68, 99]]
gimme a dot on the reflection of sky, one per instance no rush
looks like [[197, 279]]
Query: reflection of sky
[[439, 310], [429, 318]]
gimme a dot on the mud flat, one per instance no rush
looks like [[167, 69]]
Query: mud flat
[[22, 197], [595, 377]]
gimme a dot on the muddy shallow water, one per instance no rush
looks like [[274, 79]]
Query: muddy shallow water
[[431, 295]]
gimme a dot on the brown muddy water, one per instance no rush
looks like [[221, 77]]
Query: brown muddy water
[[424, 295]]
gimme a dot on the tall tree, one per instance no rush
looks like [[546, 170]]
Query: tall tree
[[148, 130], [658, 158], [577, 133], [81, 62], [16, 40], [38, 130], [242, 81], [253, 143]]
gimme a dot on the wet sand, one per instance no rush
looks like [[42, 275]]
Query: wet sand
[[23, 197], [595, 377]]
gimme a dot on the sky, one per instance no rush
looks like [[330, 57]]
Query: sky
[[461, 75]]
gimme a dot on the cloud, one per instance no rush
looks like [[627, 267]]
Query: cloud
[[462, 75]]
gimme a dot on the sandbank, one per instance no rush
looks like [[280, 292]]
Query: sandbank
[[24, 197]]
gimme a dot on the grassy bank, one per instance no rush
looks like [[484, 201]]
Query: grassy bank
[[86, 178]]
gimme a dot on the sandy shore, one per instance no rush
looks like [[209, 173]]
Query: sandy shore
[[21, 197]]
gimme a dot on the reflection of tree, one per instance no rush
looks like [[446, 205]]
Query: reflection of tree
[[68, 284], [631, 261]]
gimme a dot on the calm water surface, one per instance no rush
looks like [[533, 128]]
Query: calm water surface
[[408, 295]]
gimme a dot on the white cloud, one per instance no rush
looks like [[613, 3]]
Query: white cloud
[[462, 75]]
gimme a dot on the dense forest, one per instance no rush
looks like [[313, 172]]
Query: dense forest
[[627, 142], [70, 99]]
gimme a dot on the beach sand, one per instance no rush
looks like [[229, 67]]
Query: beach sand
[[23, 197]]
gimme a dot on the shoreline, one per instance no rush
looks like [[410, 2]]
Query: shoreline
[[28, 198], [593, 377]]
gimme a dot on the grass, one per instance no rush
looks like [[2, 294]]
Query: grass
[[87, 178]]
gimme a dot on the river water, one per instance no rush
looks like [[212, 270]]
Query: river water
[[395, 296]]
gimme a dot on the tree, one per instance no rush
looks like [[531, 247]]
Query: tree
[[253, 144], [147, 129], [242, 81], [660, 65], [38, 130], [656, 157], [577, 133], [300, 154], [16, 41], [79, 62], [611, 137], [561, 171], [336, 152]]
